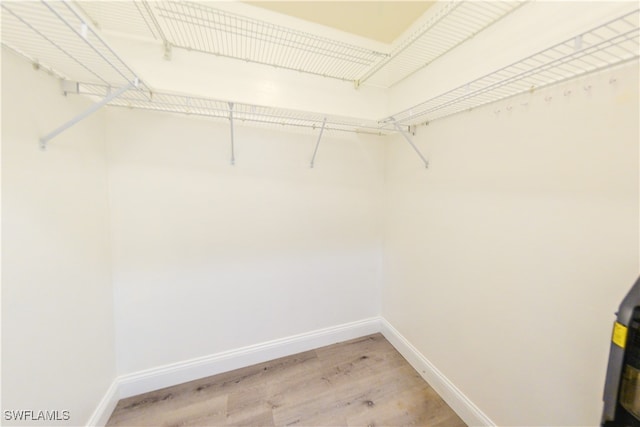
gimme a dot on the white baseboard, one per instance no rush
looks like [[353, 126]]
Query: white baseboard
[[106, 406], [462, 406], [201, 367]]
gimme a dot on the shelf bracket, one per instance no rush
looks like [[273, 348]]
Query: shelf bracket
[[89, 111], [233, 156], [404, 134], [315, 151]]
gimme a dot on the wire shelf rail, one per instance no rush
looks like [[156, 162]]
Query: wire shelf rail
[[610, 44], [147, 99]]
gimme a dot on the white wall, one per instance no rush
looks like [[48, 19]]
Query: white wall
[[210, 257], [505, 261], [57, 303]]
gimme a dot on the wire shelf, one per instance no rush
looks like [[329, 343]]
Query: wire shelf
[[450, 26], [203, 28], [605, 46], [54, 34], [147, 99]]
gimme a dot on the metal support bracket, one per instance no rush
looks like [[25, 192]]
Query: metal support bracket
[[315, 151], [167, 51], [89, 111], [404, 134], [233, 156], [69, 86]]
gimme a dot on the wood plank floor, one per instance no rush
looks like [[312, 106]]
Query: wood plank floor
[[362, 382]]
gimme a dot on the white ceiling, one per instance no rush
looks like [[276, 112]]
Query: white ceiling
[[383, 21]]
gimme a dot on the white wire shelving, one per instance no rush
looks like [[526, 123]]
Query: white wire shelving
[[147, 99], [201, 27], [54, 36], [610, 44], [452, 24]]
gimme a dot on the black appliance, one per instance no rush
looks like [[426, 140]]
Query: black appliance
[[622, 385]]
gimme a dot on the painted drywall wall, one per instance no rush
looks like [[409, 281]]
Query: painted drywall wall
[[506, 259], [58, 347], [210, 257], [319, 246]]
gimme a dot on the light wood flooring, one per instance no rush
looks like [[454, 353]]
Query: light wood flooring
[[362, 382]]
